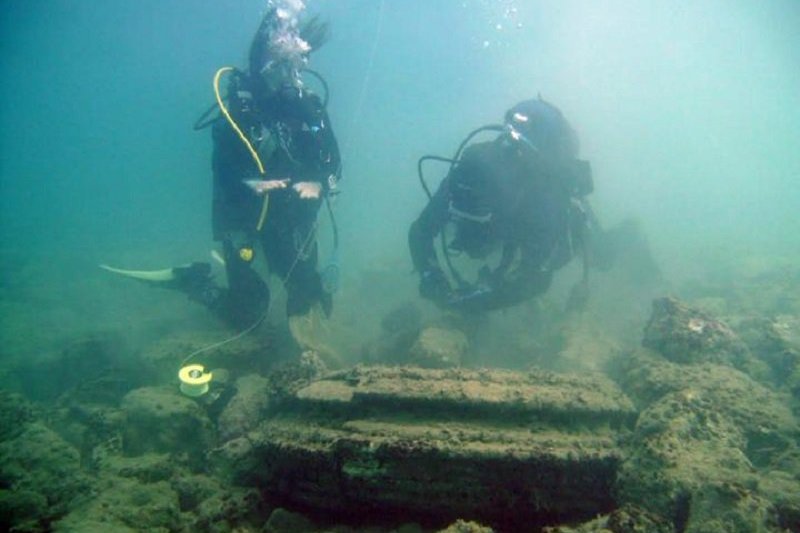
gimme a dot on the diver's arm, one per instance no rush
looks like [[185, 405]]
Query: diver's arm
[[424, 230], [433, 283], [514, 287]]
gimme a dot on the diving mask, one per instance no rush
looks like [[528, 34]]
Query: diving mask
[[517, 136]]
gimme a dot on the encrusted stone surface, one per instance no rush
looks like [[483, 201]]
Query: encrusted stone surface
[[684, 334], [439, 348], [704, 446], [162, 420], [499, 446]]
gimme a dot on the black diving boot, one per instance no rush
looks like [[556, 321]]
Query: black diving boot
[[240, 305], [196, 281], [247, 297]]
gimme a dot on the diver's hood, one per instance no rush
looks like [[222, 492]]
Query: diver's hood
[[541, 126]]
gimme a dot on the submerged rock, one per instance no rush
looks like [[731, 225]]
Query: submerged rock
[[246, 408], [40, 476], [162, 420], [23, 510], [124, 504], [464, 526], [399, 329], [626, 519], [228, 509], [497, 446], [15, 414], [438, 348], [776, 340], [283, 521], [703, 445], [683, 334]]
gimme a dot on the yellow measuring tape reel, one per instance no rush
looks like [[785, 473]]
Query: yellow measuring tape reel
[[194, 380]]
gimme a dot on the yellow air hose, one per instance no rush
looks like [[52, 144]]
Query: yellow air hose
[[263, 216]]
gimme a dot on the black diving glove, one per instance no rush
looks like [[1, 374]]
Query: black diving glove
[[433, 285], [472, 299]]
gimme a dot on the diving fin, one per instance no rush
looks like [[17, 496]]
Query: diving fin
[[187, 278], [163, 275]]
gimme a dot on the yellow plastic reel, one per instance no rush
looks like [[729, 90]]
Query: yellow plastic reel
[[194, 380]]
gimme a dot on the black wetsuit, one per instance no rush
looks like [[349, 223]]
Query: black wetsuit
[[290, 130], [501, 198]]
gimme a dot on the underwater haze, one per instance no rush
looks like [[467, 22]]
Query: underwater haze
[[689, 113]]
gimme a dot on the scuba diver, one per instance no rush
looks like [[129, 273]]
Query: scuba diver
[[275, 161], [521, 197]]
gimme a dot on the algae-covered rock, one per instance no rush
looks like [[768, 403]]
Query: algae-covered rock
[[161, 420], [96, 525], [22, 510], [721, 507], [283, 521], [193, 489], [146, 468], [761, 413], [399, 329], [184, 502], [15, 414], [290, 376], [697, 449], [680, 447], [683, 334], [439, 444], [124, 503], [466, 526], [783, 490], [39, 465], [247, 407], [626, 519], [775, 340], [438, 348], [229, 509], [235, 461]]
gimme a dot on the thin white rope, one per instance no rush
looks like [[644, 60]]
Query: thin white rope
[[362, 93], [263, 316]]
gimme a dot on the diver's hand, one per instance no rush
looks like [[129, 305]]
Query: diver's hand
[[308, 190], [470, 299], [264, 186], [433, 286]]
